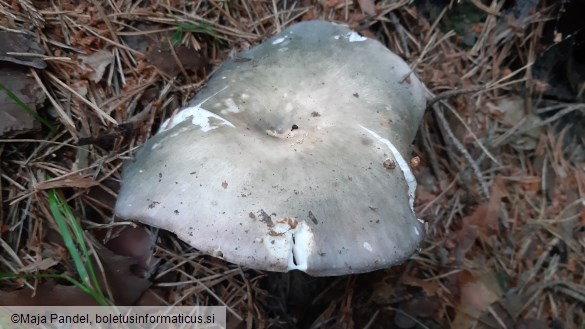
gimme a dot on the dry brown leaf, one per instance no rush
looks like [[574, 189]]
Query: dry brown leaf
[[421, 307], [504, 311], [41, 265], [486, 216], [383, 292], [11, 43], [127, 276], [477, 293], [135, 243], [93, 66], [13, 118], [47, 294], [141, 42], [163, 57], [151, 297], [368, 7], [423, 197], [483, 222], [430, 287], [124, 284], [514, 112], [128, 263], [330, 3], [466, 237]]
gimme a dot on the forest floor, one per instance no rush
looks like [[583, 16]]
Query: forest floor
[[501, 173]]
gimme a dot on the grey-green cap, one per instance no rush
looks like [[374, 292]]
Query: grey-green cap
[[292, 157]]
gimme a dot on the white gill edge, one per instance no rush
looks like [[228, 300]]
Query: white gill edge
[[199, 115], [301, 247], [291, 244], [355, 37], [279, 40], [408, 175]]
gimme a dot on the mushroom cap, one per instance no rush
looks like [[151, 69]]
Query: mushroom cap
[[292, 157]]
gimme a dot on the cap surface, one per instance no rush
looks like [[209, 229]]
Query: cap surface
[[292, 157]]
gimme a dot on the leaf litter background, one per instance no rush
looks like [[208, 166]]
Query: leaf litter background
[[500, 158]]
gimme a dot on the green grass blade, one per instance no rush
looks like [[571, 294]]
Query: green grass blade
[[30, 111], [79, 236], [200, 27], [61, 222], [176, 37], [71, 232]]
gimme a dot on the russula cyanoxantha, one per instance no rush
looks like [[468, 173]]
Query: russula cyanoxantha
[[292, 157]]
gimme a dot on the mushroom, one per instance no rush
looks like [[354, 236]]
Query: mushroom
[[292, 157]]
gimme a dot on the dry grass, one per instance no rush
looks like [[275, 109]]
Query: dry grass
[[496, 212]]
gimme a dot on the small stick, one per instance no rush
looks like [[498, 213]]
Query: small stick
[[459, 146], [400, 31], [452, 93], [432, 156]]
